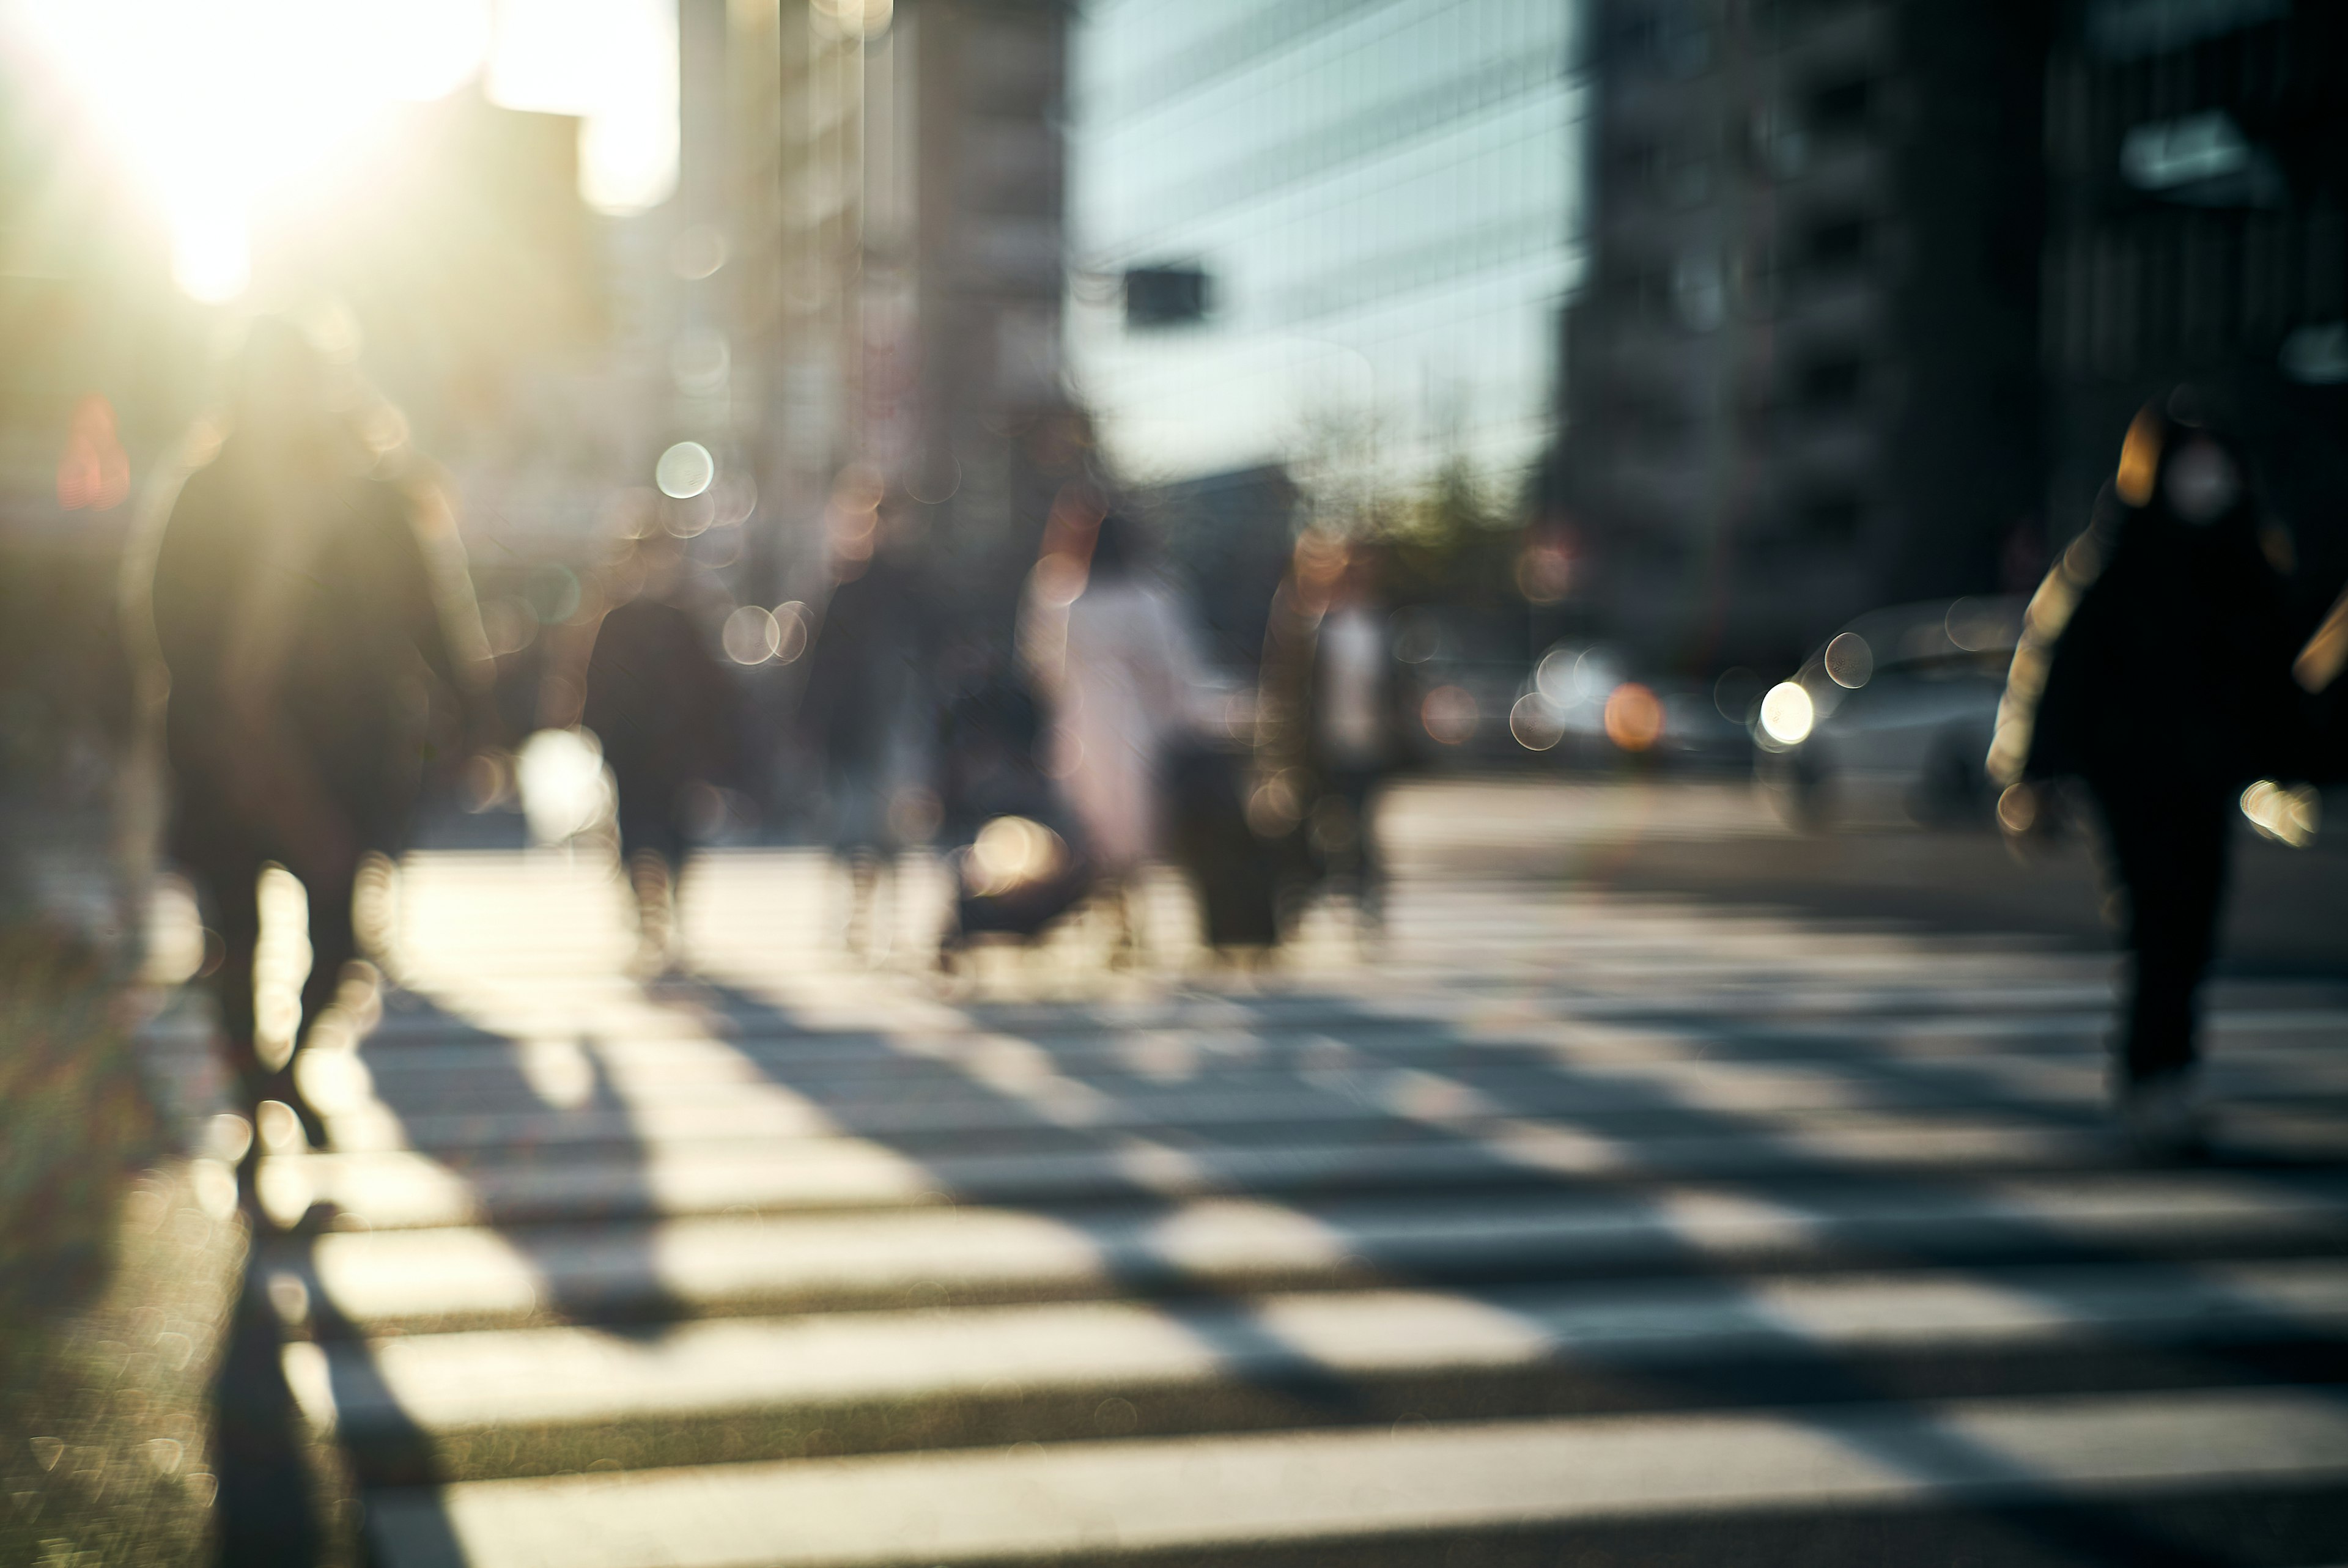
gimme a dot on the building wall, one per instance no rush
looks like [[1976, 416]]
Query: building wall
[[2230, 272], [899, 281], [1381, 196], [1800, 381]]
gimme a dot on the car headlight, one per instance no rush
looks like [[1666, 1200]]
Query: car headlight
[[1787, 713]]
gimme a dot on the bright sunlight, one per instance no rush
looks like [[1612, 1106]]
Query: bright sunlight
[[212, 103]]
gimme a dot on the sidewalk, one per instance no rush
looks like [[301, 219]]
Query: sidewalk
[[121, 1251]]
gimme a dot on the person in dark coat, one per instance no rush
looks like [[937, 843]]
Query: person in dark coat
[[864, 707], [1326, 733], [2155, 666], [306, 598], [666, 715]]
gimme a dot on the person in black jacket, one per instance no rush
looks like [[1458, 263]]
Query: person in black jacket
[[2155, 666], [864, 708], [666, 715], [1327, 735], [306, 598]]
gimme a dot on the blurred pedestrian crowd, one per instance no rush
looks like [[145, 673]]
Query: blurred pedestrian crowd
[[314, 657]]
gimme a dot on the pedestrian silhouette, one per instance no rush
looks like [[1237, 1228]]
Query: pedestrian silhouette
[[2155, 667], [667, 716], [1110, 650], [863, 708], [308, 600], [1326, 733]]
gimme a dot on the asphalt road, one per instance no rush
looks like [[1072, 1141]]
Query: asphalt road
[[2287, 913], [1661, 1187]]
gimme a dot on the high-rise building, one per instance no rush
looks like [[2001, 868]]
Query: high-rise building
[[1322, 222], [2197, 160], [896, 280], [1801, 379]]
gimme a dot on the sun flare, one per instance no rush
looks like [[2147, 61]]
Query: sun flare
[[211, 105]]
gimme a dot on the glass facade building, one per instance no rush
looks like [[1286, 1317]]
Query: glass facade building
[[1381, 196]]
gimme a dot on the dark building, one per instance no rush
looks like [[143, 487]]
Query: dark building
[[1800, 381], [1230, 537], [2198, 230], [896, 293]]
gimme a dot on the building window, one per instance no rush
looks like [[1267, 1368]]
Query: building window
[[1667, 37], [1777, 147], [1843, 108], [1699, 291], [1638, 166], [1689, 181], [1753, 277], [1834, 518], [1838, 243], [1165, 297], [1832, 385]]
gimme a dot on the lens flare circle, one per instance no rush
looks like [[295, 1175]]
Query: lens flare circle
[[1634, 717], [1449, 715], [1534, 723], [684, 471], [1787, 714]]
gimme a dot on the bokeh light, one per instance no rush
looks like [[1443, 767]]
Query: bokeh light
[[795, 626], [1787, 713], [1534, 723], [751, 635], [1850, 661], [1010, 853], [1450, 715], [1634, 717], [684, 470], [2284, 814]]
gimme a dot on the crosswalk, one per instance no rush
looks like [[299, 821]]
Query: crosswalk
[[1555, 1225]]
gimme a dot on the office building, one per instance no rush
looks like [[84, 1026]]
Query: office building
[[895, 281], [1321, 235], [2198, 160], [1801, 380]]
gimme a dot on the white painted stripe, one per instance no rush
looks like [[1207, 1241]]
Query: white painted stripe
[[716, 1096], [447, 1382], [404, 1190], [1204, 1492], [390, 1276]]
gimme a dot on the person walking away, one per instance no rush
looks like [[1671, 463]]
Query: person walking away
[[1111, 652], [2317, 670], [861, 707], [307, 601], [667, 716], [2155, 666], [1325, 727]]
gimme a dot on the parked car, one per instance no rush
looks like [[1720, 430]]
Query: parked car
[[1560, 709], [1459, 684], [1891, 716], [1699, 730], [1583, 707]]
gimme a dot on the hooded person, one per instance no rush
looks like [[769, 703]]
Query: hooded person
[[866, 703], [643, 679], [1326, 730], [2155, 667], [302, 602], [1110, 650]]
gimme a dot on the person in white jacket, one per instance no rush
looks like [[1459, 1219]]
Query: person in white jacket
[[1111, 652]]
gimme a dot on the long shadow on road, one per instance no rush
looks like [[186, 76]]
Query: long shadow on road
[[1088, 1101]]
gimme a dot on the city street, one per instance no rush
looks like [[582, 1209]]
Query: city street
[[1663, 1187]]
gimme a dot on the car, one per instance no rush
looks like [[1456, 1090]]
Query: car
[[1705, 725], [1891, 717], [1583, 708], [1459, 684]]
